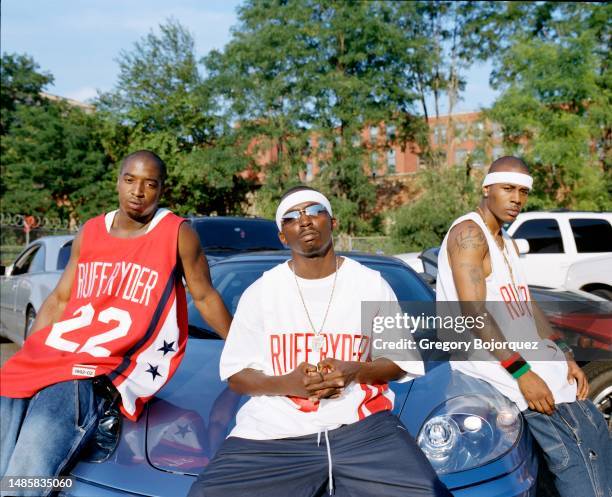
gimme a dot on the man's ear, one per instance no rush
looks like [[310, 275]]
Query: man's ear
[[281, 237], [334, 223], [485, 191]]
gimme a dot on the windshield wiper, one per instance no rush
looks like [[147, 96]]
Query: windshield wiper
[[263, 247], [197, 332], [219, 248]]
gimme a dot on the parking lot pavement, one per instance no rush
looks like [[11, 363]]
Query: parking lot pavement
[[7, 349]]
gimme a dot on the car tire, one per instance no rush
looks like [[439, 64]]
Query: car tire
[[30, 318], [599, 374], [604, 293]]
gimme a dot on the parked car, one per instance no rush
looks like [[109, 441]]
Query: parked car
[[559, 239], [28, 281], [25, 284], [223, 236], [582, 274], [587, 329], [474, 437], [413, 259]]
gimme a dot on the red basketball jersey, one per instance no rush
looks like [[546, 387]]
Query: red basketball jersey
[[126, 318]]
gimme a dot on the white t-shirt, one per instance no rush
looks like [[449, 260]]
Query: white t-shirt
[[271, 333], [515, 320]]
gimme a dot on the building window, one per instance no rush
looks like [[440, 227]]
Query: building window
[[374, 163], [496, 131], [479, 157], [460, 131], [391, 132], [439, 137], [391, 161], [498, 152], [373, 135], [309, 171], [460, 156]]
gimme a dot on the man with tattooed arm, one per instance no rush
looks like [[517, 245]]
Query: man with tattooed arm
[[479, 267]]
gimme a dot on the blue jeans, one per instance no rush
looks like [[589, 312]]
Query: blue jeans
[[577, 447], [42, 435]]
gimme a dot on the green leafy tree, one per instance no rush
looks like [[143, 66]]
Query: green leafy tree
[[555, 104], [298, 74], [161, 103], [54, 163], [21, 84], [446, 195]]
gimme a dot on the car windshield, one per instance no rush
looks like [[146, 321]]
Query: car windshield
[[232, 279], [218, 235]]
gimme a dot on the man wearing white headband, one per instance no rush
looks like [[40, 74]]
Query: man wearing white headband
[[479, 266], [320, 412]]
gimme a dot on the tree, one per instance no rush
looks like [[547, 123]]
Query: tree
[[445, 195], [21, 85], [162, 103], [54, 163], [302, 80], [555, 104]]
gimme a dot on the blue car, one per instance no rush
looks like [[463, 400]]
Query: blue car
[[474, 437]]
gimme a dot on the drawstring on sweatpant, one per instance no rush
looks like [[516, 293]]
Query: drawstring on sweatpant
[[329, 459]]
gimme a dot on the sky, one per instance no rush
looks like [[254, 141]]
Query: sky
[[79, 41]]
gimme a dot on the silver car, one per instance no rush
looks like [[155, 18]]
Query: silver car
[[27, 282]]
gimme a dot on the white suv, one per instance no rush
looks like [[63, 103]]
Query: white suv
[[567, 249]]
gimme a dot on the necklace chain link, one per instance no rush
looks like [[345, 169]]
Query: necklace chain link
[[502, 249], [317, 333]]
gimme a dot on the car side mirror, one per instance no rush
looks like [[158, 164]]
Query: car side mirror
[[522, 245], [2, 270], [7, 270]]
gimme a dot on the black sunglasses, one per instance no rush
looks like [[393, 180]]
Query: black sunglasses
[[311, 211]]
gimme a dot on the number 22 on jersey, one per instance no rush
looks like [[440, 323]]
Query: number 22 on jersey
[[85, 317]]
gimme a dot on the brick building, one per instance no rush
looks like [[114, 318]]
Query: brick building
[[457, 139]]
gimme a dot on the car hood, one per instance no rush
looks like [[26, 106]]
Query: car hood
[[182, 428], [194, 413]]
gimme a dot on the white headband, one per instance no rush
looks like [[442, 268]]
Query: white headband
[[520, 179], [300, 197]]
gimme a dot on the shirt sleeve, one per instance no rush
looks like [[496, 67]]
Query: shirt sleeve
[[244, 345], [405, 357]]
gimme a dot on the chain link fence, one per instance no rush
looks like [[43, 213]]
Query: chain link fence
[[17, 230], [370, 244]]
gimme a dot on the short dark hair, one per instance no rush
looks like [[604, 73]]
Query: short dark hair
[[508, 161], [147, 155], [297, 188]]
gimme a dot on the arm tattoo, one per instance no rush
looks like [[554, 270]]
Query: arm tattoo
[[475, 273], [471, 237]]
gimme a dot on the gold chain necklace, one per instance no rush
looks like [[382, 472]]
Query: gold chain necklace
[[502, 249], [318, 339]]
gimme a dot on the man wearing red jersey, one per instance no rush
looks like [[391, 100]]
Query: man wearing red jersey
[[118, 315]]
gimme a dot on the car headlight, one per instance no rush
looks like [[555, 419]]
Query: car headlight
[[468, 431]]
